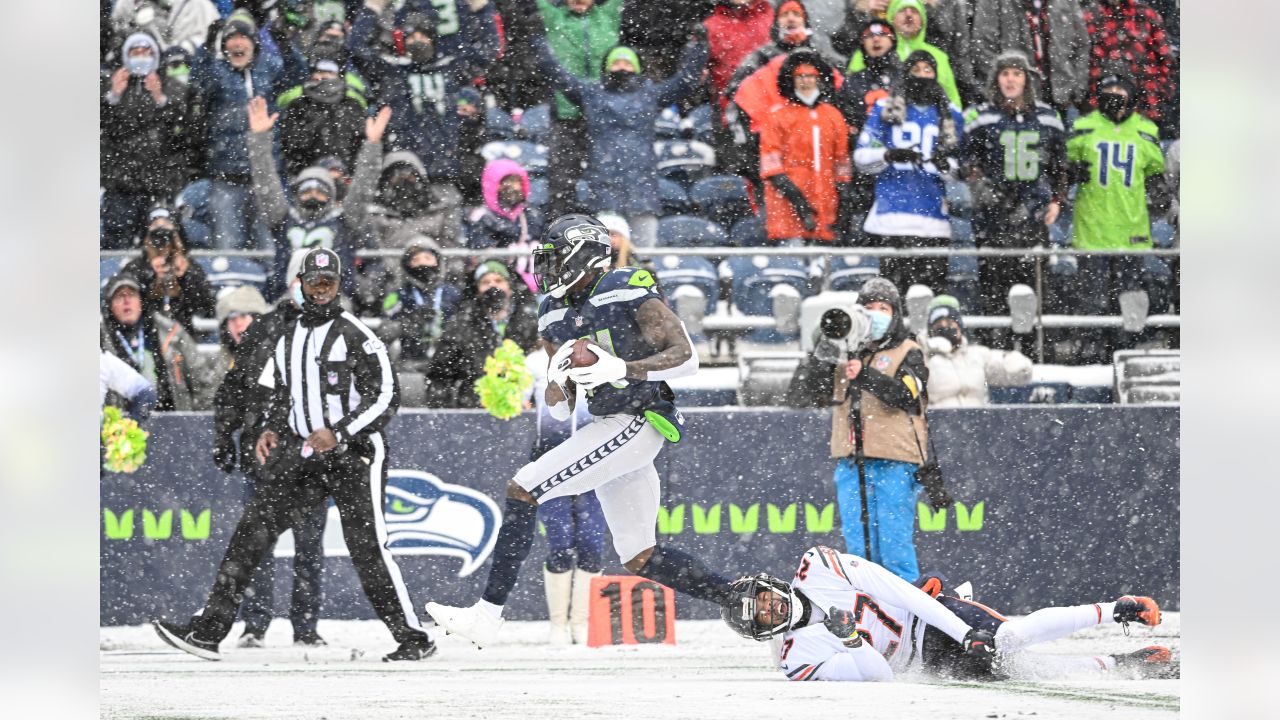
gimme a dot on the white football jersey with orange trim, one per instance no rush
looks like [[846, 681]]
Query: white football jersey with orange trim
[[891, 615]]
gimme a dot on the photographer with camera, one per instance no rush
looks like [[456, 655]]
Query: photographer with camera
[[874, 375], [173, 284]]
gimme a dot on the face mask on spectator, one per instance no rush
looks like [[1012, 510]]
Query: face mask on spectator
[[425, 274], [493, 299], [325, 90], [312, 206], [404, 197], [951, 334], [618, 79], [420, 52], [880, 322], [140, 65], [920, 90], [1114, 106]]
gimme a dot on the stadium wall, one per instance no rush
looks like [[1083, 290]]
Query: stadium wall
[[1056, 505]]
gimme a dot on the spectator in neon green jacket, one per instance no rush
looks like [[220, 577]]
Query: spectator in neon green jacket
[[910, 21]]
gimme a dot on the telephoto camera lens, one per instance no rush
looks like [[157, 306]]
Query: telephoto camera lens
[[835, 324]]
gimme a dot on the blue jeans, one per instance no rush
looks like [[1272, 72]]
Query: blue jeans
[[891, 508], [308, 568], [575, 529], [234, 215]]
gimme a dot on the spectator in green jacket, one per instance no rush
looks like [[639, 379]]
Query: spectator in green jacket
[[580, 33]]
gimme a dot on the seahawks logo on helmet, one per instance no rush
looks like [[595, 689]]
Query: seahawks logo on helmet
[[572, 246]]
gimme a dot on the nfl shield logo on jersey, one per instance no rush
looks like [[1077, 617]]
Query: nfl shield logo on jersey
[[332, 377]]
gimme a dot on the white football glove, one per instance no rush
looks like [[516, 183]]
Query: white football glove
[[609, 368], [559, 365]]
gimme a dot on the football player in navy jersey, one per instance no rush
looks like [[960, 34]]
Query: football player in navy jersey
[[639, 345]]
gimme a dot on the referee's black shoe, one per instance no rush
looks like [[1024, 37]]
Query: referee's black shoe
[[418, 647], [184, 638]]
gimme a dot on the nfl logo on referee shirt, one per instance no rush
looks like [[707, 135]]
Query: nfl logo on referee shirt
[[425, 516]]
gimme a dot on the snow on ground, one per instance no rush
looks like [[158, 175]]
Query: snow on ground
[[710, 673]]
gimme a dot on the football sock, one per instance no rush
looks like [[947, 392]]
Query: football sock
[[682, 572], [1050, 624], [515, 538]]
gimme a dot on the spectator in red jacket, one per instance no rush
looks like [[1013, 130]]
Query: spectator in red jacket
[[1131, 32], [804, 155], [735, 28]]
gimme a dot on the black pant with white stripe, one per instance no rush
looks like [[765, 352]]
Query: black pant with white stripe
[[357, 480]]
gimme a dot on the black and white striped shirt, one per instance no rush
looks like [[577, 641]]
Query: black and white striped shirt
[[336, 375]]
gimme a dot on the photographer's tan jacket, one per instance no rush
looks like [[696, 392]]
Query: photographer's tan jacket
[[887, 431]]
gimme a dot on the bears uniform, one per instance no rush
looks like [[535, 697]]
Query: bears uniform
[[892, 617]]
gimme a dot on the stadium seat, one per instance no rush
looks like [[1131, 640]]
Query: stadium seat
[[749, 232], [498, 124], [684, 160], [531, 156], [539, 191], [690, 231], [231, 270], [691, 287], [667, 126], [195, 215], [673, 198], [722, 198], [108, 267], [536, 122], [848, 272], [698, 124], [770, 286]]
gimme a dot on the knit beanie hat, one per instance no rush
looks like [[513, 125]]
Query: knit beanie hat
[[490, 266], [945, 306], [625, 53]]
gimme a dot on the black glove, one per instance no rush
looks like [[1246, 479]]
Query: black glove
[[929, 475], [1079, 173], [940, 156], [225, 454], [211, 36], [840, 623], [804, 210], [980, 644], [844, 212], [898, 155]]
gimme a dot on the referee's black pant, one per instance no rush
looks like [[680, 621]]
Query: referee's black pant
[[357, 480]]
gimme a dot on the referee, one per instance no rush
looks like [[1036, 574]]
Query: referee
[[333, 392]]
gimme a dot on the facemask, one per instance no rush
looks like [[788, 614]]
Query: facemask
[[327, 90], [181, 73], [1114, 107], [880, 322], [403, 197], [312, 207], [951, 334], [810, 97], [493, 299], [420, 52], [140, 65], [617, 79], [296, 295], [329, 47], [424, 274], [920, 91], [508, 199]]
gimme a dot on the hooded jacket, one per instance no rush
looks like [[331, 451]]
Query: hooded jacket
[[470, 337], [733, 31], [946, 75], [380, 226], [166, 355], [310, 130], [416, 312], [622, 173], [1001, 25], [140, 152], [766, 56], [810, 145], [877, 79], [580, 42], [498, 226], [958, 377]]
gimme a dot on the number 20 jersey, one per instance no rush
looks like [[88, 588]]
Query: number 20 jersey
[[891, 615]]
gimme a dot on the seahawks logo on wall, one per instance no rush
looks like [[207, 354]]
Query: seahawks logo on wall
[[425, 516]]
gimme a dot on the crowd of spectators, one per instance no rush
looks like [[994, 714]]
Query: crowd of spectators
[[280, 125]]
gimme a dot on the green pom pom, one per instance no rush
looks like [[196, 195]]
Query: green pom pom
[[505, 382], [124, 444]]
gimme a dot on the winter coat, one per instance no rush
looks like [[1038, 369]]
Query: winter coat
[[470, 337], [622, 174], [1001, 25], [195, 296], [959, 377], [310, 130], [580, 43], [733, 32], [379, 226], [1143, 47], [222, 94], [810, 146], [240, 402], [139, 149], [657, 29], [168, 358], [498, 226], [863, 88], [185, 23], [947, 72], [422, 97]]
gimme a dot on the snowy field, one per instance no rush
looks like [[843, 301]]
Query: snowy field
[[710, 673]]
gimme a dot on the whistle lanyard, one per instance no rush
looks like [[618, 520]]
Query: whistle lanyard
[[138, 352]]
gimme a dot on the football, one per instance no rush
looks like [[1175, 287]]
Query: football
[[581, 356]]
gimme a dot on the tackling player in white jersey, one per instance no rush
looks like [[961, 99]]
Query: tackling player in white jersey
[[846, 618]]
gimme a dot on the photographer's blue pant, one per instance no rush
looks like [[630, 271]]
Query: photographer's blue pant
[[891, 508]]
